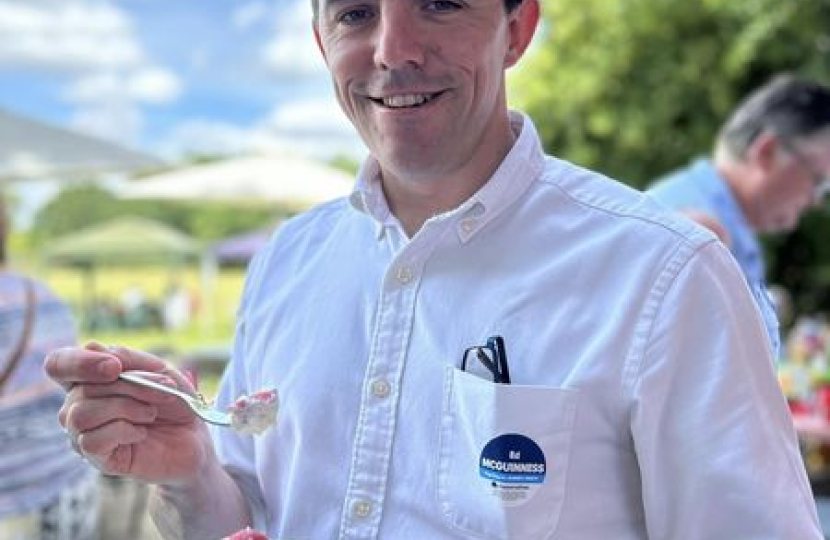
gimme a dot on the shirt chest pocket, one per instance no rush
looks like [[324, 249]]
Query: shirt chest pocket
[[503, 456]]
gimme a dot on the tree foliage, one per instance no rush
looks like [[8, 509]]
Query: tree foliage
[[636, 88], [78, 207]]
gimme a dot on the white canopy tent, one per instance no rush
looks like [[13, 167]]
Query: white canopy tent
[[34, 150], [38, 159], [288, 180]]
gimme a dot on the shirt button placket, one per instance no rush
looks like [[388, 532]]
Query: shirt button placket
[[381, 388], [404, 275], [373, 438], [361, 509]]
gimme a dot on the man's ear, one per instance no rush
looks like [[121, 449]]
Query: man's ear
[[763, 152], [521, 25]]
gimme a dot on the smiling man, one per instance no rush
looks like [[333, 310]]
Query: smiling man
[[481, 342], [423, 83]]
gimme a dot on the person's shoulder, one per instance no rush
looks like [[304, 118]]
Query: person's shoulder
[[618, 205], [317, 219], [15, 285], [688, 187], [303, 232]]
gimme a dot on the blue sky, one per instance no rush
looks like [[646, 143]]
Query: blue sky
[[173, 77]]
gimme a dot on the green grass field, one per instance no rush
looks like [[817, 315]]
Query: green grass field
[[209, 330]]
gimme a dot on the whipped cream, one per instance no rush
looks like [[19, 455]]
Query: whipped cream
[[255, 413]]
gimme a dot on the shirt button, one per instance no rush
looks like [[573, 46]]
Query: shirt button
[[404, 275], [361, 509], [468, 225], [381, 388]]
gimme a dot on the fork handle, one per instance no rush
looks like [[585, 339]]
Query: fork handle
[[137, 377]]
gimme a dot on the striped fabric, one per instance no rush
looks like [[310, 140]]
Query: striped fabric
[[38, 469]]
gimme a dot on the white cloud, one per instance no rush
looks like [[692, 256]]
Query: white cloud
[[308, 125], [313, 128], [311, 115], [115, 119], [106, 72], [66, 36], [153, 85], [147, 84], [250, 14], [205, 137], [292, 52]]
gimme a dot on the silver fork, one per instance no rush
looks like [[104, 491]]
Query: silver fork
[[197, 404]]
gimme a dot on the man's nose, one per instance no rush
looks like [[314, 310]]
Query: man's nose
[[399, 39]]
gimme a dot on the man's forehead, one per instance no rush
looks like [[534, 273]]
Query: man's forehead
[[324, 4]]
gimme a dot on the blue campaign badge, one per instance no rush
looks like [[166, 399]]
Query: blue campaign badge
[[514, 467]]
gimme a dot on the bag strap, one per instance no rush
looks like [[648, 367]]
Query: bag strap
[[28, 322]]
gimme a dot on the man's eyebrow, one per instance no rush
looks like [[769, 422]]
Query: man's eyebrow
[[327, 4], [323, 4]]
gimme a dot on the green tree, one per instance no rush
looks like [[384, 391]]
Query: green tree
[[78, 207], [75, 207], [636, 88]]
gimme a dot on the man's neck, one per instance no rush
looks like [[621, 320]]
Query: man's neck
[[414, 200], [733, 174], [413, 207]]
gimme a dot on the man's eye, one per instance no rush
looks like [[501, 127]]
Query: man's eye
[[356, 15], [443, 5]]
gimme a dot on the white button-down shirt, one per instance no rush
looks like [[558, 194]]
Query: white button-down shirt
[[643, 404]]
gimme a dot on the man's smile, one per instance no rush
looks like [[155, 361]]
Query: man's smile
[[405, 100]]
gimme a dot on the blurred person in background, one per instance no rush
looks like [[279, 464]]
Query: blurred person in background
[[771, 163], [176, 307], [47, 492]]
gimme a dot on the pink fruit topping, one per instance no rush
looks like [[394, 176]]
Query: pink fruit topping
[[247, 534]]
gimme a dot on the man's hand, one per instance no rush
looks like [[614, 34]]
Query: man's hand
[[125, 429]]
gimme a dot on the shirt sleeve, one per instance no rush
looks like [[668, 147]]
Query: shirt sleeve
[[717, 450], [762, 297]]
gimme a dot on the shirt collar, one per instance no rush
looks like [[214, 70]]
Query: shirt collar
[[368, 196], [520, 167]]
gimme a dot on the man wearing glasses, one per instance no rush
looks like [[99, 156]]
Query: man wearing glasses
[[771, 164]]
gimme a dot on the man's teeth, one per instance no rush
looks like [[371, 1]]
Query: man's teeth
[[408, 100]]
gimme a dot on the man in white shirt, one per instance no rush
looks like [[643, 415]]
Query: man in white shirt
[[482, 341]]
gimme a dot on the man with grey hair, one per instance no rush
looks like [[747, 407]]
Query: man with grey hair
[[771, 164]]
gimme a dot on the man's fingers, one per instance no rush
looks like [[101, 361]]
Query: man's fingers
[[88, 414], [98, 444], [133, 359], [97, 363], [71, 365], [133, 390], [110, 448]]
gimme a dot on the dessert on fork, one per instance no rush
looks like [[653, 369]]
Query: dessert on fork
[[255, 413]]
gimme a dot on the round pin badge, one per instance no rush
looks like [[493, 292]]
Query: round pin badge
[[513, 467]]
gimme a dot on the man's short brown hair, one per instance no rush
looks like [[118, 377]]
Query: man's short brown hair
[[509, 5], [789, 106]]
